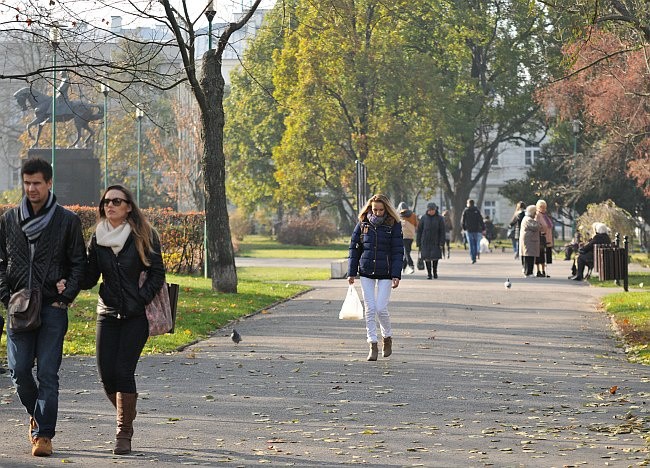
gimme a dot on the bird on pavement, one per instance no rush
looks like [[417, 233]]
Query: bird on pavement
[[507, 284], [235, 336]]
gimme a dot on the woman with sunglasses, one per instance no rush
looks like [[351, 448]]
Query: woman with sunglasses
[[123, 246]]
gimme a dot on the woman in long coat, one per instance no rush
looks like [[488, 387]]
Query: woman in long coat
[[431, 238], [529, 240]]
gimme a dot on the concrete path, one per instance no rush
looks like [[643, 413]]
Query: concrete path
[[480, 376]]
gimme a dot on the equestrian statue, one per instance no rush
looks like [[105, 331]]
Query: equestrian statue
[[79, 112]]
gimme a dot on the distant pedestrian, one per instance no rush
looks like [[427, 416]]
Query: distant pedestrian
[[446, 215], [409, 221], [123, 246], [430, 239], [529, 240], [515, 225], [376, 255], [586, 252], [546, 239], [472, 223], [490, 231]]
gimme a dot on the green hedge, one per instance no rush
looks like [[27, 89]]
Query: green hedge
[[181, 235]]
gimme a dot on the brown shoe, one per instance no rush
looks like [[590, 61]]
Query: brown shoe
[[374, 352], [42, 447], [32, 426], [387, 349]]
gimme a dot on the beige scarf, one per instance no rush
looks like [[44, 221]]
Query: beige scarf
[[108, 236]]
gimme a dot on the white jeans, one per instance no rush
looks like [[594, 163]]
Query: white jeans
[[376, 294]]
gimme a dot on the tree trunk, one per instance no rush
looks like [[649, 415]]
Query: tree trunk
[[221, 256]]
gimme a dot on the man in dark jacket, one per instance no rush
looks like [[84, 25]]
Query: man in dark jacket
[[41, 244], [472, 223]]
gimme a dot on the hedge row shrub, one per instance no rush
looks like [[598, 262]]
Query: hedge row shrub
[[307, 231], [181, 235]]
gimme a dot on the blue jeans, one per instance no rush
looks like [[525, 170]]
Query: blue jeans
[[45, 345], [474, 238]]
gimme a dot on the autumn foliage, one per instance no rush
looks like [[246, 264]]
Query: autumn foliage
[[608, 87]]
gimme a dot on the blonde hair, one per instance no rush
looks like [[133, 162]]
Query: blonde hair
[[393, 217], [540, 204]]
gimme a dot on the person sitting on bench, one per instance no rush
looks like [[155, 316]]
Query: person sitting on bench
[[586, 252]]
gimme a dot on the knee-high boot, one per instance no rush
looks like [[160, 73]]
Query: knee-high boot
[[435, 268], [126, 412]]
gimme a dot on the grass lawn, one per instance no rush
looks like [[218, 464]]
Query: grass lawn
[[202, 311], [264, 247], [630, 312]]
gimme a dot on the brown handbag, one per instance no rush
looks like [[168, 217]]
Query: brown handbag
[[161, 311]]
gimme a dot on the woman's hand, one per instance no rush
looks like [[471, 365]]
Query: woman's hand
[[60, 286], [395, 283], [350, 279]]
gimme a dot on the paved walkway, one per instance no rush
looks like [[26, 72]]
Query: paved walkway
[[480, 376]]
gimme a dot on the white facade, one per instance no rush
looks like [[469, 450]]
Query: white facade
[[512, 163]]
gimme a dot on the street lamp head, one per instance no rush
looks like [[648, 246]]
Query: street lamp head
[[55, 34], [576, 125], [138, 112], [104, 90], [210, 11]]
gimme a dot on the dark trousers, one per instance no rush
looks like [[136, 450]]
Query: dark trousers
[[528, 262], [408, 261], [432, 267], [580, 269], [119, 345]]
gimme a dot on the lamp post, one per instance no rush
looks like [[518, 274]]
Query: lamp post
[[209, 14], [55, 40], [104, 89], [575, 127], [138, 115]]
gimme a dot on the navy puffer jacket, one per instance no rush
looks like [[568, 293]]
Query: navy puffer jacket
[[376, 251]]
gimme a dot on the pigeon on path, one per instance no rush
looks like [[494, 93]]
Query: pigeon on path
[[235, 336], [507, 284]]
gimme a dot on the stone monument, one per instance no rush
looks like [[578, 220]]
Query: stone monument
[[77, 171]]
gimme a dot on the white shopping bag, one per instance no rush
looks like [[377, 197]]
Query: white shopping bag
[[352, 308]]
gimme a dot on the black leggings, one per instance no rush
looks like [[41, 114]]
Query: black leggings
[[408, 260], [119, 345]]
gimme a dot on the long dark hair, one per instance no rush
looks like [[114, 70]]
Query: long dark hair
[[142, 230]]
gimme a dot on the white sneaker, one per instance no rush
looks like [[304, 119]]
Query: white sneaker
[[410, 270]]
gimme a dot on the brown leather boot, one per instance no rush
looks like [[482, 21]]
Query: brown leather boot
[[374, 352], [387, 348], [125, 416]]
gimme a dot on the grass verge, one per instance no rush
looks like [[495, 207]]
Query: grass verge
[[630, 312], [264, 247], [200, 310]]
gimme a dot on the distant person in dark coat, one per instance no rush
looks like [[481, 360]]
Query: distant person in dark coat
[[446, 215], [515, 225], [586, 252], [430, 239], [474, 227]]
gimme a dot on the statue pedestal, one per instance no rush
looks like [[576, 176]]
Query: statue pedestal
[[77, 174]]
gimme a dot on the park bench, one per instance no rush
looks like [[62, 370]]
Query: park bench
[[611, 261]]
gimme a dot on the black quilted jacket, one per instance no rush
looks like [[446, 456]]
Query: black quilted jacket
[[62, 239], [120, 294]]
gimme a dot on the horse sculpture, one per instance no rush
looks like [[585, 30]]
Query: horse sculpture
[[79, 112]]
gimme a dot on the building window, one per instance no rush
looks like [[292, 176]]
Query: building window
[[490, 209], [530, 155]]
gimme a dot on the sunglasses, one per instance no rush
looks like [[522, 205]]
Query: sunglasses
[[114, 201]]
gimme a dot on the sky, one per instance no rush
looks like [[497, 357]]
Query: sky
[[100, 11]]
